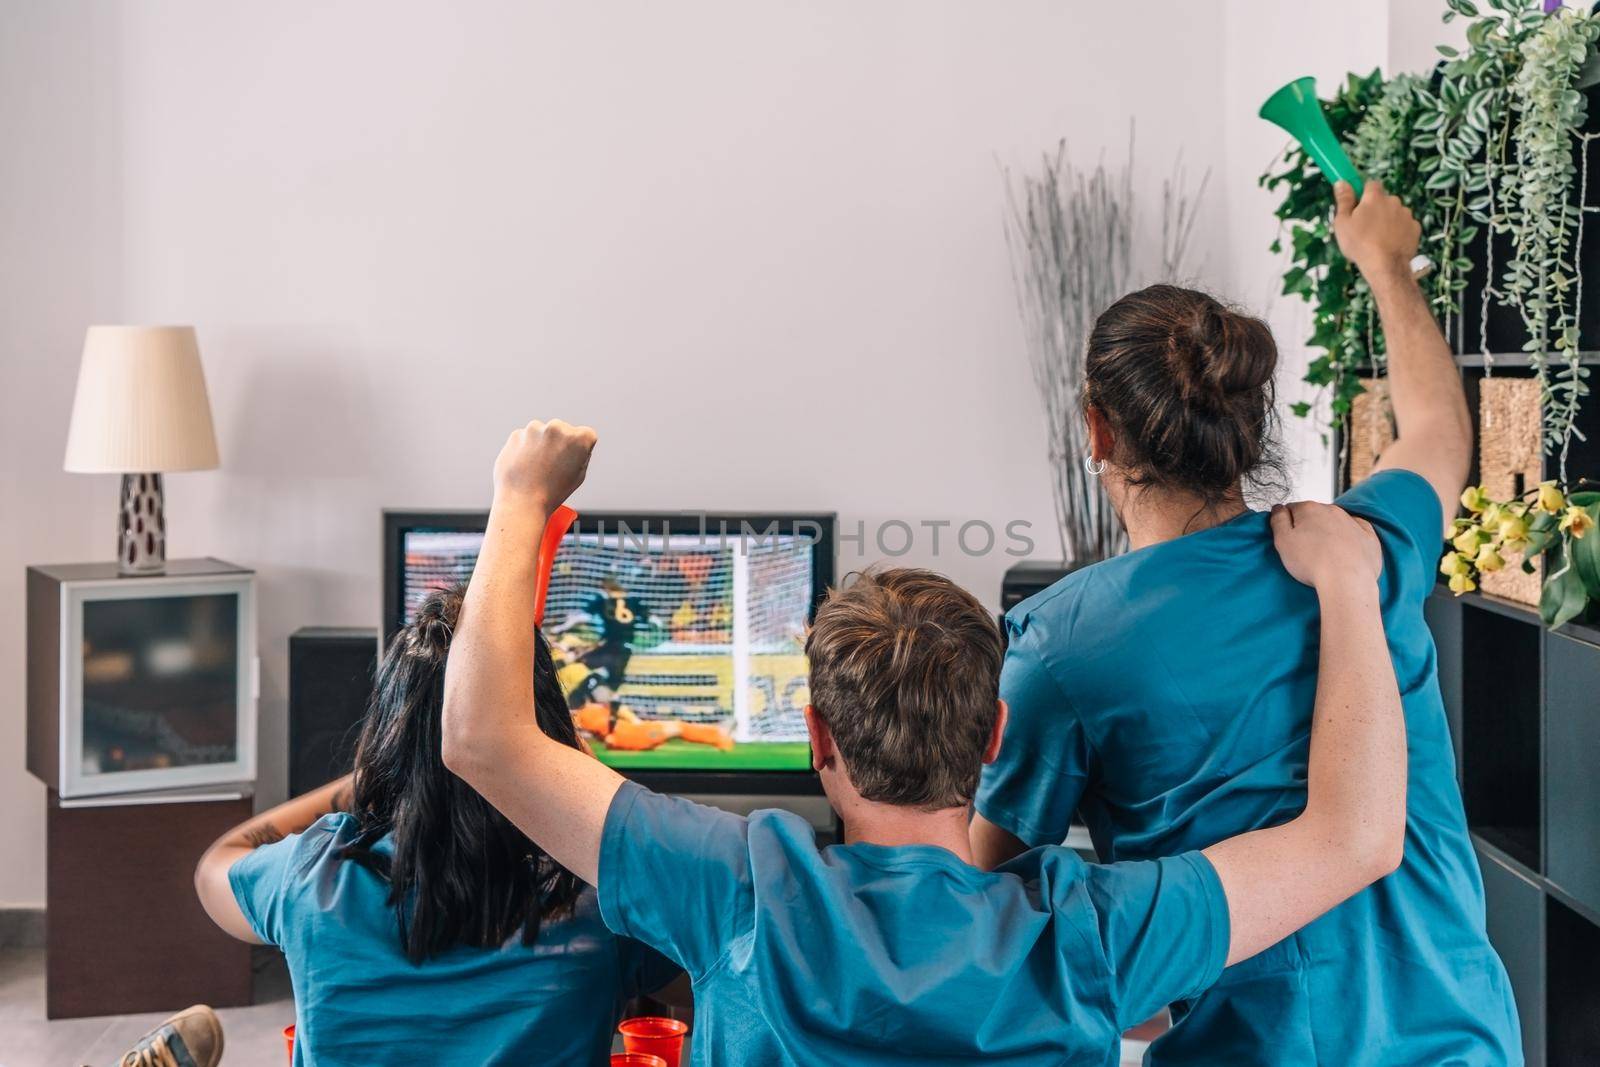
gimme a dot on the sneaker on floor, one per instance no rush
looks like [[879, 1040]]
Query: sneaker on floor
[[191, 1038]]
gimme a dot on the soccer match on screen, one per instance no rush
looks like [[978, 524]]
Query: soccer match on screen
[[676, 651]]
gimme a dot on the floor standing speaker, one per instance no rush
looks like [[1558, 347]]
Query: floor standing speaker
[[330, 680]]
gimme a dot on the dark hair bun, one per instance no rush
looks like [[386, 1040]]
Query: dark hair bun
[[434, 624], [1225, 354], [1186, 383]]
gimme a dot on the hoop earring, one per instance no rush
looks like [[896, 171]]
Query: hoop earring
[[1095, 467]]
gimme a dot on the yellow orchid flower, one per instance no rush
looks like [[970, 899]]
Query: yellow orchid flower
[[1488, 560], [1577, 521], [1474, 498], [1462, 583], [1550, 498], [1467, 541], [1454, 565], [1513, 532]]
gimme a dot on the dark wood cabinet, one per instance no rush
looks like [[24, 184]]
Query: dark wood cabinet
[[125, 931]]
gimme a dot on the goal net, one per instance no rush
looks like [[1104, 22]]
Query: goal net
[[713, 628]]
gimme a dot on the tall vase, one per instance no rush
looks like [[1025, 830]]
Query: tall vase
[[141, 526]]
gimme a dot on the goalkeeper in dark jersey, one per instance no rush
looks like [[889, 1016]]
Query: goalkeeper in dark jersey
[[618, 616]]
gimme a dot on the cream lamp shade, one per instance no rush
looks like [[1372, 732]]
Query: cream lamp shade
[[141, 404]]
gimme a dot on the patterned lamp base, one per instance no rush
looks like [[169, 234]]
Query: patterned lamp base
[[142, 526]]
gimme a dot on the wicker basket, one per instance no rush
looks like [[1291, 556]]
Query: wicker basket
[[1509, 466], [1371, 428]]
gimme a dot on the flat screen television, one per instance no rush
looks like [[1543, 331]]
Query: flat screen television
[[678, 637]]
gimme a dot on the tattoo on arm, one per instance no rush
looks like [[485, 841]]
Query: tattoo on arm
[[265, 834]]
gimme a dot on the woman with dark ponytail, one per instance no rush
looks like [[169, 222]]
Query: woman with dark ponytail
[[1165, 695], [419, 924]]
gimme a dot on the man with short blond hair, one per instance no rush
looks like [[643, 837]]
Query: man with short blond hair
[[892, 947]]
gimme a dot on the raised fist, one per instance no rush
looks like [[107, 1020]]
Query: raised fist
[[543, 463], [1378, 233]]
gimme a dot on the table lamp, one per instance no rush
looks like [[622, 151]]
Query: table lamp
[[140, 410]]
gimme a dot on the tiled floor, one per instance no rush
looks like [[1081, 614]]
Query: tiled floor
[[253, 1035]]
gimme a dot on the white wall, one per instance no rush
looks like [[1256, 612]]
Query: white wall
[[1416, 31], [1268, 43], [757, 244], [60, 269]]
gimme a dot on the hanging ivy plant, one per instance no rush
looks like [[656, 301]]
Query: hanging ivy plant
[[1542, 280], [1378, 121], [1461, 144], [1485, 145], [1381, 146]]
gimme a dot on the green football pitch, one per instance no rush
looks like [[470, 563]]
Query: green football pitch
[[676, 755]]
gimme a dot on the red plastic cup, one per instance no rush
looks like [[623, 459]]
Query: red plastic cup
[[654, 1035], [636, 1059], [288, 1042]]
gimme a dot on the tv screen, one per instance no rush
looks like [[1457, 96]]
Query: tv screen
[[679, 640]]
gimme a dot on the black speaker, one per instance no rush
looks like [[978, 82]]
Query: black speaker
[[1025, 579], [1029, 577], [330, 680]]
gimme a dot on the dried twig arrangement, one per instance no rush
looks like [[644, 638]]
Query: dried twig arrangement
[[1073, 236]]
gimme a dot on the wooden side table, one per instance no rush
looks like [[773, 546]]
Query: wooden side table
[[126, 932], [141, 723]]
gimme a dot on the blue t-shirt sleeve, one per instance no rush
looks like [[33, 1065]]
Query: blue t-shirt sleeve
[[1404, 511], [1163, 928], [675, 875], [1033, 788], [264, 881]]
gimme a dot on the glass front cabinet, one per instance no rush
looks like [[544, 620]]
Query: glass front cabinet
[[141, 685]]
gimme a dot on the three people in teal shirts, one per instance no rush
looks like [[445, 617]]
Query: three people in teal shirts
[[1173, 696]]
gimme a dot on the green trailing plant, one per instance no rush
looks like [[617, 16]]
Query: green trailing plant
[[1491, 146], [1542, 281], [1484, 146], [1462, 142], [1381, 146]]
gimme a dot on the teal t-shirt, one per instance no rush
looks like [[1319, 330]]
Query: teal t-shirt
[[862, 954], [359, 1001], [1167, 696]]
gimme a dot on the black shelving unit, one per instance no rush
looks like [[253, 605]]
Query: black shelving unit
[[1524, 706]]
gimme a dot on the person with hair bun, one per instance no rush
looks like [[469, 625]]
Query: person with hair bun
[[419, 924], [1165, 695]]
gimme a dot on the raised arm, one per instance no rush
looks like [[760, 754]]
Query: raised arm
[[1352, 831], [291, 817], [1434, 430], [556, 795]]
